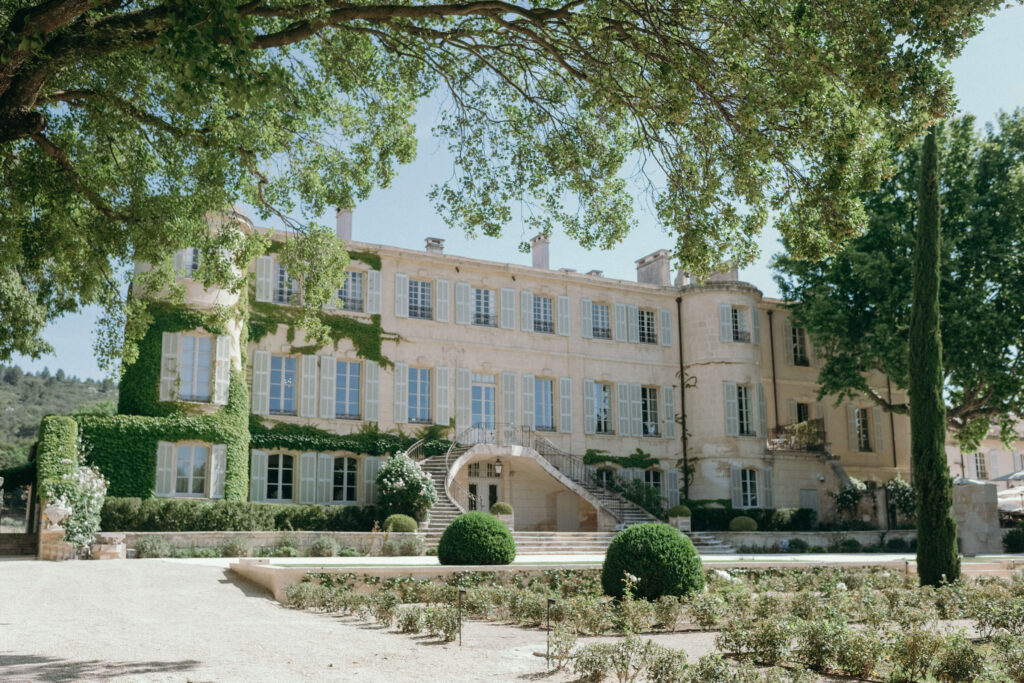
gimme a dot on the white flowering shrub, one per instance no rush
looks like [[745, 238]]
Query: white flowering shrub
[[404, 488], [82, 491]]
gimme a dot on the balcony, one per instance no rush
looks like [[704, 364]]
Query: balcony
[[802, 436]]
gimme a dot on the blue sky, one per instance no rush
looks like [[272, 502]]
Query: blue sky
[[987, 78]]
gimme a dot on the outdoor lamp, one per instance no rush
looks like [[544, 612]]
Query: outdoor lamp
[[498, 466]]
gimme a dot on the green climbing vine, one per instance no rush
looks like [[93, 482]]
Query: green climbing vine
[[638, 459]]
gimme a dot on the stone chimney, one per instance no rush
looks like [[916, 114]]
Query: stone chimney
[[539, 249], [653, 269], [435, 245], [727, 275], [343, 224], [596, 273]]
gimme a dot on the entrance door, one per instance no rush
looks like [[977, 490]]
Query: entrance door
[[809, 499], [482, 406], [473, 497], [492, 495]]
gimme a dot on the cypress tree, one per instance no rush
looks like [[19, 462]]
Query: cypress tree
[[937, 557]]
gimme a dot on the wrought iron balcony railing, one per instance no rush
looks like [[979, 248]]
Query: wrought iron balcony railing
[[802, 436]]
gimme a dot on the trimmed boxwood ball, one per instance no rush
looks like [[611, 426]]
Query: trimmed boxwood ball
[[476, 538], [401, 524], [663, 560], [501, 508], [742, 523], [679, 511]]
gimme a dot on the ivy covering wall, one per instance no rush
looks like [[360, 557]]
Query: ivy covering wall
[[638, 459], [57, 452]]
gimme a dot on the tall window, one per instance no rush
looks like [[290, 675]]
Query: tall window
[[980, 466], [419, 395], [346, 390], [194, 379], [351, 293], [653, 478], [648, 331], [192, 261], [542, 320], [603, 408], [740, 325], [748, 488], [190, 479], [344, 485], [799, 342], [421, 301], [743, 408], [279, 477], [602, 322], [285, 288], [863, 431], [482, 401], [803, 412], [649, 410], [483, 308], [543, 405], [282, 385]]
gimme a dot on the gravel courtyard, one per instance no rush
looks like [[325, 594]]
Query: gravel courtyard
[[176, 620]]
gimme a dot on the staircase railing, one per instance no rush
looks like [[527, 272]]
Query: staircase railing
[[414, 450]]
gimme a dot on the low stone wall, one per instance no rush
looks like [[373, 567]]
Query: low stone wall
[[822, 538], [53, 547], [366, 542]]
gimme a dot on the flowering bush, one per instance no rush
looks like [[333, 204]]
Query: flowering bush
[[82, 491], [902, 497], [404, 488], [849, 497]]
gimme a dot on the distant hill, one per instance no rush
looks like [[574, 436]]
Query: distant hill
[[26, 397]]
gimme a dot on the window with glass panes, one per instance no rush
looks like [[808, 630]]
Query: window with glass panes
[[421, 302], [748, 488], [343, 489], [648, 331], [351, 293], [542, 320], [194, 373], [800, 347], [740, 325], [653, 478], [193, 261], [602, 321], [482, 401], [419, 395], [803, 412], [980, 466], [863, 430], [285, 288], [603, 408], [279, 476], [483, 308], [649, 410], [746, 419], [543, 405], [190, 477], [282, 385], [346, 390]]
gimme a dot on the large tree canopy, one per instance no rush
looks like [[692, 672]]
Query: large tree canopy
[[122, 124], [856, 305]]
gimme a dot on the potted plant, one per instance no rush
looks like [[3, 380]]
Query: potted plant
[[679, 517], [504, 513]]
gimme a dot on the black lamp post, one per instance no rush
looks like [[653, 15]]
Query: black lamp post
[[551, 603], [462, 592], [498, 466]]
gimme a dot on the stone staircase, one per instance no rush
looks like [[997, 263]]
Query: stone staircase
[[445, 510]]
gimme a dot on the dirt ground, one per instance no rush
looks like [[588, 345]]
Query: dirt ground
[[175, 620]]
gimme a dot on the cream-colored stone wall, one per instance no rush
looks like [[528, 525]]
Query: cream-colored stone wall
[[997, 459], [975, 509]]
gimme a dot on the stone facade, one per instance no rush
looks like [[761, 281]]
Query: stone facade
[[977, 519], [992, 459]]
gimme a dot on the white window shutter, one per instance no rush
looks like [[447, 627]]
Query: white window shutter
[[672, 487], [324, 478], [442, 391], [622, 394], [851, 426], [462, 303], [328, 386], [793, 417], [526, 311], [732, 411], [620, 322], [373, 292], [564, 317], [508, 308], [587, 317], [219, 468], [179, 261], [165, 462], [265, 278], [589, 407], [724, 322], [993, 463], [565, 405], [401, 415], [529, 416], [755, 318], [787, 341], [371, 466], [634, 324], [463, 378], [307, 478], [508, 399], [443, 294], [876, 417], [307, 387], [260, 382], [636, 425], [371, 409], [401, 295], [257, 476], [222, 370], [170, 351], [735, 486], [767, 494], [669, 398], [762, 412], [666, 326]]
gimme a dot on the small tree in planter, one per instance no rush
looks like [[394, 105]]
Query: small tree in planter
[[404, 488], [679, 517], [504, 513], [82, 491]]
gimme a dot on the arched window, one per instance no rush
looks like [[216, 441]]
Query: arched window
[[344, 483], [748, 488], [279, 477]]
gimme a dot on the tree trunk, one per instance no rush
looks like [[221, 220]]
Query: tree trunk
[[937, 557]]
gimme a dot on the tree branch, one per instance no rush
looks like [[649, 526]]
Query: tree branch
[[76, 180]]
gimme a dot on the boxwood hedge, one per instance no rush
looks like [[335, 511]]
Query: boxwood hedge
[[661, 558], [476, 538]]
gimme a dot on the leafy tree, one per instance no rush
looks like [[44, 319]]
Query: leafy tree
[[123, 125], [856, 305]]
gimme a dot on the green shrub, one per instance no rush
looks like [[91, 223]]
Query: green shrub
[[323, 547], [412, 546], [442, 622], [1013, 540], [817, 549], [679, 511], [958, 659], [742, 523], [410, 620], [897, 545], [860, 653], [306, 595], [663, 561], [476, 538], [390, 548], [403, 524], [819, 642], [501, 508], [404, 488], [345, 551], [798, 545], [152, 546], [235, 547], [849, 545]]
